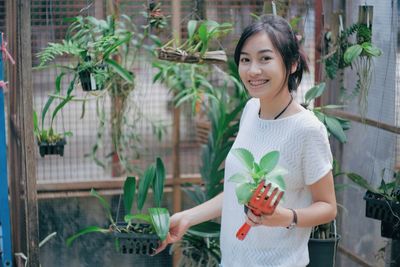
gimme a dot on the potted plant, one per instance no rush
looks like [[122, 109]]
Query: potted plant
[[132, 236], [334, 124], [358, 55], [49, 141], [101, 54], [196, 48], [266, 169], [324, 239], [382, 203]]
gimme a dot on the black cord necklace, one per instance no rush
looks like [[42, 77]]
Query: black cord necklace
[[277, 116]]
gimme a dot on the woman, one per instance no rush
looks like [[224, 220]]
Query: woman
[[271, 66]]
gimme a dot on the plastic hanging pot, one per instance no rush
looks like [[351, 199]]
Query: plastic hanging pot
[[141, 242], [87, 81], [52, 148], [378, 207], [322, 252]]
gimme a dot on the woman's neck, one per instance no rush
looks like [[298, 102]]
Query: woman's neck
[[280, 105]]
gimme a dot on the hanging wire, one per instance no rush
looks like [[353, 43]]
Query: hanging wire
[[384, 86]]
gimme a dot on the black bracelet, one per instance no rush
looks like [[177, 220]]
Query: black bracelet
[[294, 222]]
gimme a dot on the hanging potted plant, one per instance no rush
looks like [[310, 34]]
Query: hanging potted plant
[[382, 203], [103, 54], [196, 48], [133, 236], [359, 55], [49, 141]]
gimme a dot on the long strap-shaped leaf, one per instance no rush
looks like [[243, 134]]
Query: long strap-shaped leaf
[[90, 229], [129, 193], [144, 183], [158, 182], [160, 220], [104, 203]]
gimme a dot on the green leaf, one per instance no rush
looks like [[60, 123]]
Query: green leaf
[[192, 24], [144, 183], [58, 83], [59, 107], [245, 157], [269, 161], [113, 47], [314, 92], [335, 128], [104, 203], [277, 171], [203, 33], [160, 221], [158, 183], [124, 73], [144, 217], [90, 229], [46, 108], [129, 193], [360, 181], [352, 53], [244, 192], [238, 178], [371, 50]]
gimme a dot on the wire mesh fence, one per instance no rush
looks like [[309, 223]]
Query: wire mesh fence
[[153, 99]]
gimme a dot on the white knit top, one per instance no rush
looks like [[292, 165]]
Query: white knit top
[[305, 153]]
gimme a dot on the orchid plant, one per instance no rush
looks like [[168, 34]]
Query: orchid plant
[[266, 169]]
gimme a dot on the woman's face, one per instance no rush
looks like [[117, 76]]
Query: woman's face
[[261, 67]]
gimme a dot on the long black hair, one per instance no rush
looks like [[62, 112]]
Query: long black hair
[[285, 42]]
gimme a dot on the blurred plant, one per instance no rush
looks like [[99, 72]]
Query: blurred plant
[[158, 217], [104, 53], [196, 49]]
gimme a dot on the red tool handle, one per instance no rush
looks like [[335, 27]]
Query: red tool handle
[[242, 232]]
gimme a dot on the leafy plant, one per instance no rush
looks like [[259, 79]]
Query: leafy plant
[[195, 49], [106, 51], [157, 217], [388, 190], [267, 169], [48, 135], [334, 124], [358, 55]]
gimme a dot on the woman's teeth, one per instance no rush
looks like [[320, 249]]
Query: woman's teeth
[[258, 82]]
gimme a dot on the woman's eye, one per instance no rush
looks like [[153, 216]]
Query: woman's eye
[[265, 58], [244, 60]]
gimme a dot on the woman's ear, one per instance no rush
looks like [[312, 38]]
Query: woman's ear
[[294, 67]]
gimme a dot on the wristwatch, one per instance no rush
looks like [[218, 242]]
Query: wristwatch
[[294, 222]]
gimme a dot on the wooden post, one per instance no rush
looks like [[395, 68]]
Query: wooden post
[[22, 148]]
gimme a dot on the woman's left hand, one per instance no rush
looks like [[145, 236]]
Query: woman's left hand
[[281, 217]]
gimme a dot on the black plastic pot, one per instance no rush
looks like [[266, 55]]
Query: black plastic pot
[[52, 148], [87, 81], [139, 243], [390, 230], [323, 252], [379, 208]]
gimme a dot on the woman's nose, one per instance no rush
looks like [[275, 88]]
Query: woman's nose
[[254, 69]]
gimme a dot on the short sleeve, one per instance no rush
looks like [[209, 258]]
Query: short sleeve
[[317, 155]]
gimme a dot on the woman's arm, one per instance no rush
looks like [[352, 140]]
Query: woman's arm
[[322, 210], [180, 222]]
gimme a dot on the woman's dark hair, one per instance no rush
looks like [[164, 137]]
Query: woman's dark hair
[[285, 42]]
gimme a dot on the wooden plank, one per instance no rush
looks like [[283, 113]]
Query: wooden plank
[[114, 183], [22, 156], [370, 122]]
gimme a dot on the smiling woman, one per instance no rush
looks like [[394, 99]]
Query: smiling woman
[[271, 66]]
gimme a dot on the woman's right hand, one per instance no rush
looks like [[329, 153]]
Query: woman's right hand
[[179, 224]]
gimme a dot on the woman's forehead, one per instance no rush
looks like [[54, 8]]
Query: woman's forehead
[[258, 43]]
